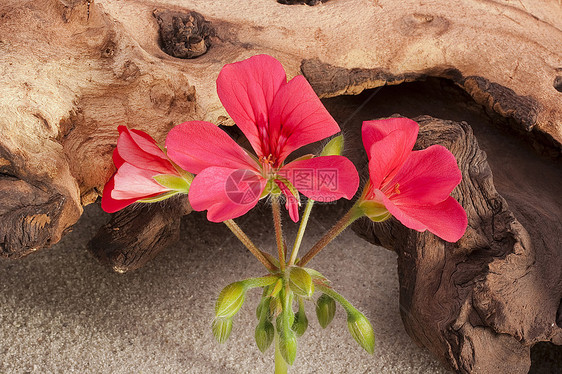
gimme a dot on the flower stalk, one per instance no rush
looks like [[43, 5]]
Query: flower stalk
[[275, 207], [241, 235], [300, 233]]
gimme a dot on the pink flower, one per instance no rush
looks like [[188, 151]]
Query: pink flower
[[140, 163], [413, 186], [277, 118]]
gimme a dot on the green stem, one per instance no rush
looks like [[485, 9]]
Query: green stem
[[241, 235], [275, 207], [280, 364], [354, 213], [300, 233]]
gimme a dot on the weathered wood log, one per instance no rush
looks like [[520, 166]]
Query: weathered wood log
[[481, 303], [136, 234], [99, 64]]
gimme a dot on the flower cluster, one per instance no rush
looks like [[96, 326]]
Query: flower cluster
[[279, 117]]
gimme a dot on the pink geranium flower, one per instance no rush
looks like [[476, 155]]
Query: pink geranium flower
[[277, 117], [413, 186], [144, 173]]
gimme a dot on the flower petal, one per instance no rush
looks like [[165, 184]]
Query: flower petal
[[197, 145], [325, 178], [427, 177], [131, 182], [373, 131], [139, 149], [291, 202], [386, 157], [447, 219], [246, 89], [297, 118], [225, 193], [111, 205]]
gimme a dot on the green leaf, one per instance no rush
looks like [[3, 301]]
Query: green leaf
[[334, 147], [325, 310]]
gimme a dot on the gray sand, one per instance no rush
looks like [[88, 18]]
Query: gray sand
[[62, 312]]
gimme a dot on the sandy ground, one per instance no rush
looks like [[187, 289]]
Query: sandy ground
[[62, 312]]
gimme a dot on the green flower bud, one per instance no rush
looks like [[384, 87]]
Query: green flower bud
[[300, 282], [264, 335], [222, 328], [325, 310], [361, 329], [334, 147], [230, 300], [300, 323], [288, 345]]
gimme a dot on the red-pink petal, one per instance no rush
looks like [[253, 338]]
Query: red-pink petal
[[291, 202], [131, 182], [139, 149], [447, 219], [427, 177], [111, 205], [373, 131], [386, 157], [197, 145], [246, 89], [297, 118], [325, 178], [225, 193]]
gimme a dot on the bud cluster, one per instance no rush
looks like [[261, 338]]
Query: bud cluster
[[283, 293]]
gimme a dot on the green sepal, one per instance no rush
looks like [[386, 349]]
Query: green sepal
[[361, 330], [317, 276], [325, 310], [173, 182], [376, 212], [155, 199], [290, 187], [222, 328], [334, 147], [276, 288], [300, 282]]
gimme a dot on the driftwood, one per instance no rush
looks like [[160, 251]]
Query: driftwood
[[72, 70], [99, 64], [481, 303]]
